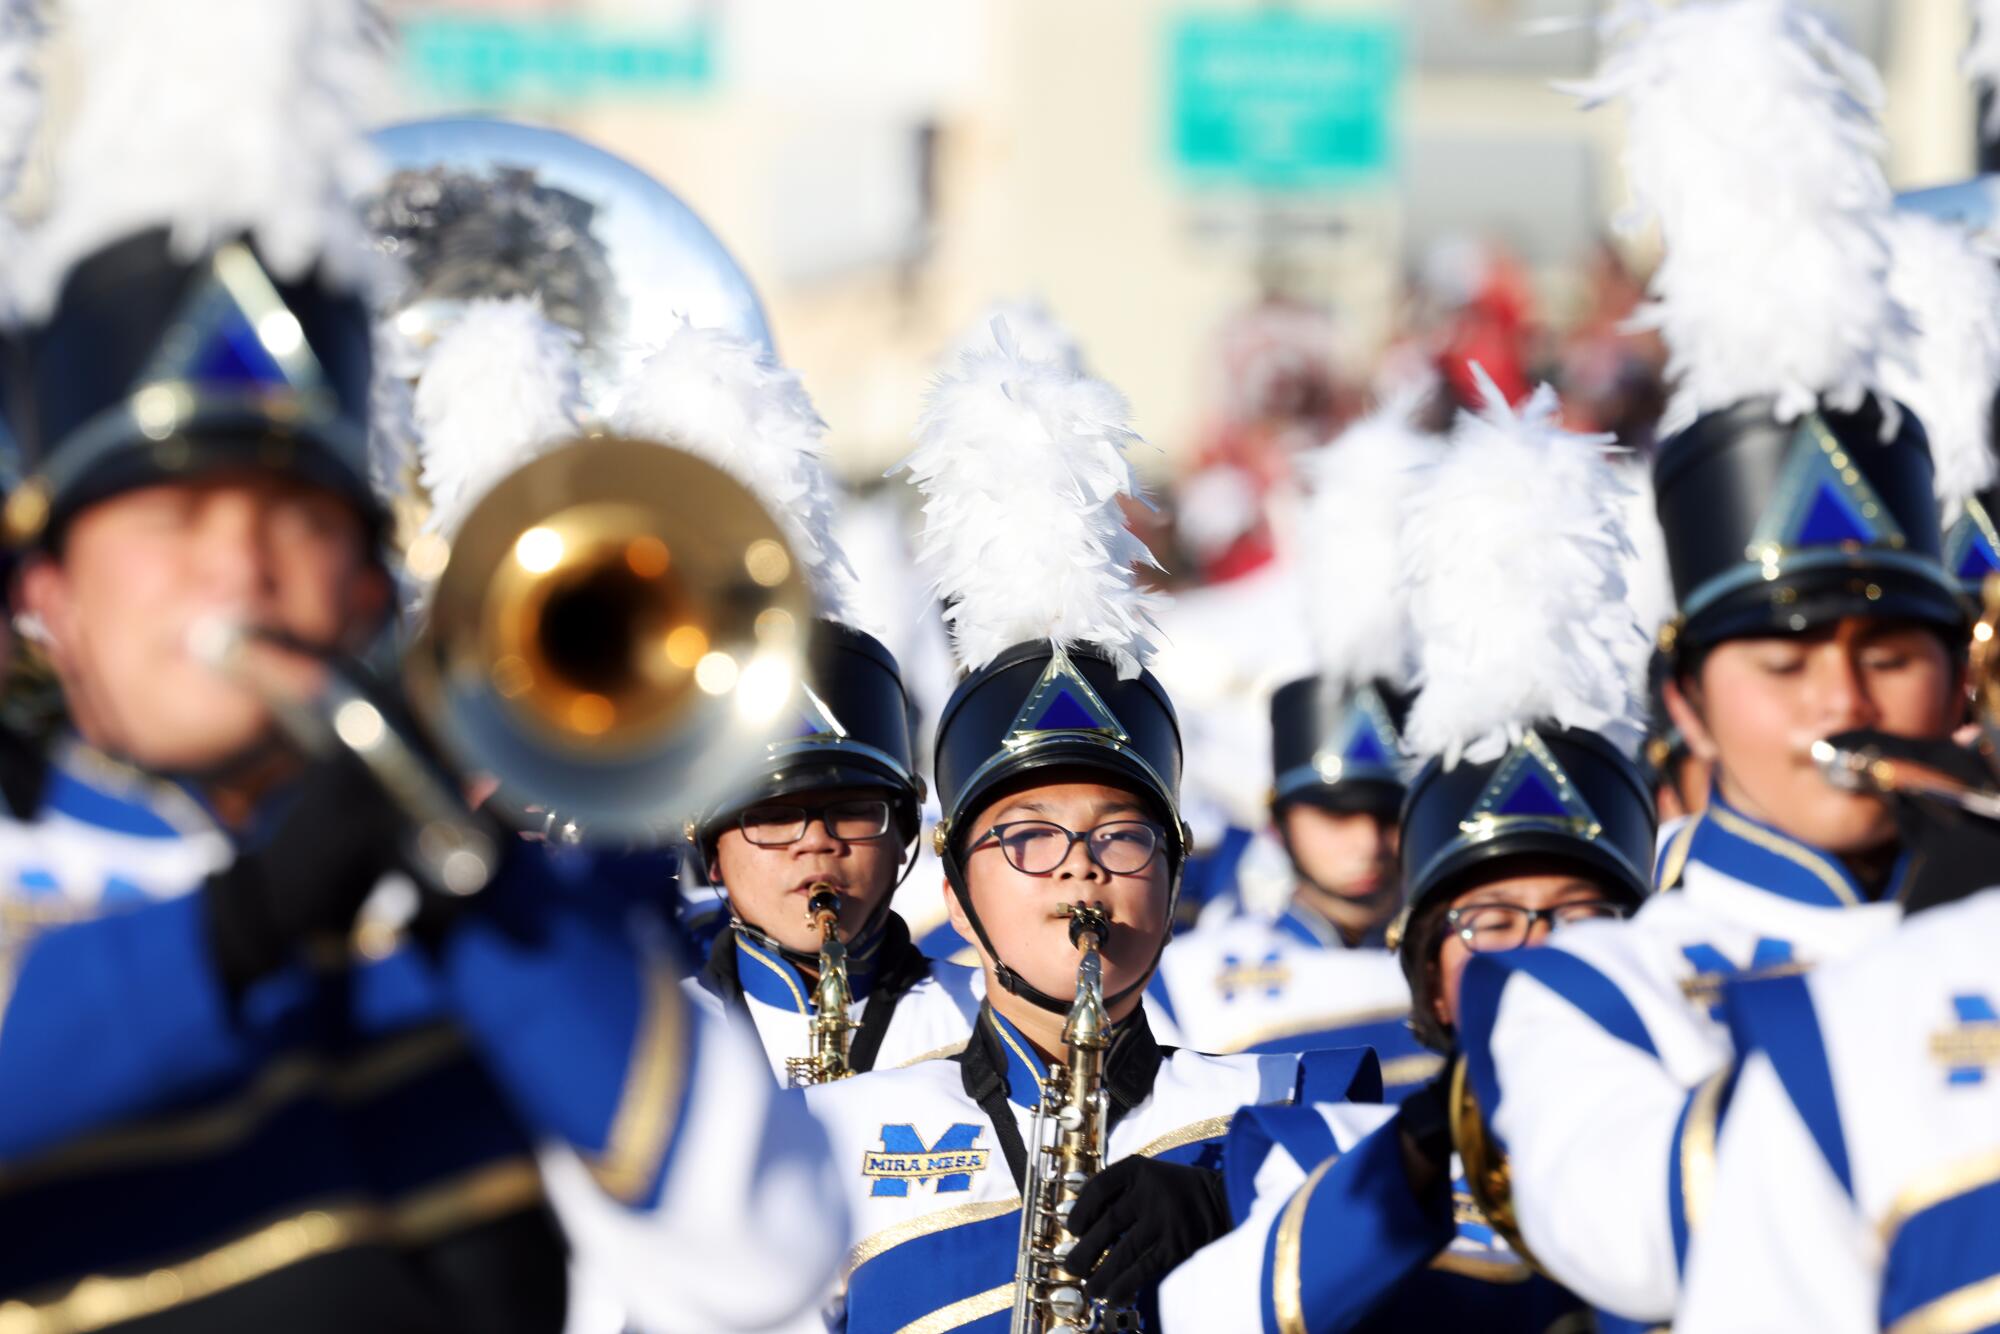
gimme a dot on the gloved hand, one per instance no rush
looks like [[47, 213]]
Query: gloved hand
[[340, 836], [1952, 852], [1138, 1219]]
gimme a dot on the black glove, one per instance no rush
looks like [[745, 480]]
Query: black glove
[[309, 879], [1952, 852], [1139, 1218]]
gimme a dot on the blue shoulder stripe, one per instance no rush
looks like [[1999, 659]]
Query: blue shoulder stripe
[[1570, 977], [1775, 1015], [66, 794], [1254, 1132], [1939, 1254]]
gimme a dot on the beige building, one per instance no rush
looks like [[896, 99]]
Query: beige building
[[884, 168]]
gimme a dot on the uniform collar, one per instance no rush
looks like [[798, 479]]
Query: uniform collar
[[997, 1050], [88, 786], [1309, 928], [1726, 840], [765, 974]]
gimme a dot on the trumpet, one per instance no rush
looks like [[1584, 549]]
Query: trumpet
[[1066, 1149], [828, 1031]]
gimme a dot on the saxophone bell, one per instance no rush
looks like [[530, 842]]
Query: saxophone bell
[[829, 1029]]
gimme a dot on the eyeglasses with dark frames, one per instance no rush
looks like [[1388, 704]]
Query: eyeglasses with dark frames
[[1490, 927], [848, 821], [1038, 847]]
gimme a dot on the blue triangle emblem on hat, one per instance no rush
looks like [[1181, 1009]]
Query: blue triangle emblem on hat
[[234, 333], [1822, 499], [1361, 742], [1972, 547], [1530, 786], [1062, 701], [816, 720]]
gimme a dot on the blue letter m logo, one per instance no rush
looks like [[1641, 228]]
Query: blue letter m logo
[[948, 1163], [1967, 1050]]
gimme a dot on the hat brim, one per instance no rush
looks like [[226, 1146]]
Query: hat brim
[[1080, 750], [1590, 856], [1800, 600]]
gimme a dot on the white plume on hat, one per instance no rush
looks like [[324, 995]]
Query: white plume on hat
[[214, 118], [1649, 581], [1022, 465], [1753, 138], [498, 388], [721, 398], [1036, 331], [1514, 566], [1950, 283], [1357, 485]]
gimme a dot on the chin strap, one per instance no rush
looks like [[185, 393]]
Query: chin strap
[[1016, 985]]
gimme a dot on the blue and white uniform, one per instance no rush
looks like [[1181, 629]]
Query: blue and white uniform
[[1858, 1173], [1330, 1237], [907, 1007], [1289, 984], [355, 1145], [1601, 1058], [932, 1157]]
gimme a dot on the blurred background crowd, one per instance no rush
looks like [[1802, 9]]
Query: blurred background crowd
[[1255, 218]]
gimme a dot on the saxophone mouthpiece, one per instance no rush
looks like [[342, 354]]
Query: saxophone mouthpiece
[[823, 903], [1085, 920]]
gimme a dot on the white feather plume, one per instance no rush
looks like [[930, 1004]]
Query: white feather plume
[[1950, 284], [1037, 333], [215, 118], [1649, 582], [722, 398], [1981, 61], [1753, 138], [1022, 465], [1514, 564], [498, 388], [1355, 610]]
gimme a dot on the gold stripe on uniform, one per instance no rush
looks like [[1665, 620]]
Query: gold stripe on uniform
[[650, 1102], [1974, 1306], [963, 1311], [1676, 859], [1206, 1128], [935, 1054], [101, 1300], [1414, 1069], [1481, 1268], [1286, 1300], [938, 1220], [215, 1128], [1298, 1027], [1936, 1186], [1698, 1150]]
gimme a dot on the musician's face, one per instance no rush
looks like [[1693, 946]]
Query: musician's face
[[1019, 910], [769, 885], [138, 572], [1759, 704]]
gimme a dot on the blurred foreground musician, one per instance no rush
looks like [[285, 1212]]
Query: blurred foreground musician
[[216, 1117]]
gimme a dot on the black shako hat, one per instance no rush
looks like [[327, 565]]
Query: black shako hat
[[851, 725], [152, 368], [1775, 527], [1339, 750], [1037, 706]]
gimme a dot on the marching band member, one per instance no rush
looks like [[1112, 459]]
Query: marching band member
[[1318, 976], [833, 806], [1855, 1172], [238, 1123], [1529, 817], [1802, 535], [1058, 764]]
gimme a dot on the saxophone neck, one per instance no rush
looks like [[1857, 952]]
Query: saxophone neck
[[1088, 1025], [833, 993]]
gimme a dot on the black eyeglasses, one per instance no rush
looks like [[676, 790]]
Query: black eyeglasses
[[1489, 927], [1038, 847], [848, 821]]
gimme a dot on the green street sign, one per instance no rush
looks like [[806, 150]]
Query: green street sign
[[466, 59], [1283, 101]]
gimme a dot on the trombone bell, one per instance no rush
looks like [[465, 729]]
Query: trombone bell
[[616, 628]]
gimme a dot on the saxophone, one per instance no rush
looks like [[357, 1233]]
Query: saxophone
[[1066, 1149], [828, 1029]]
